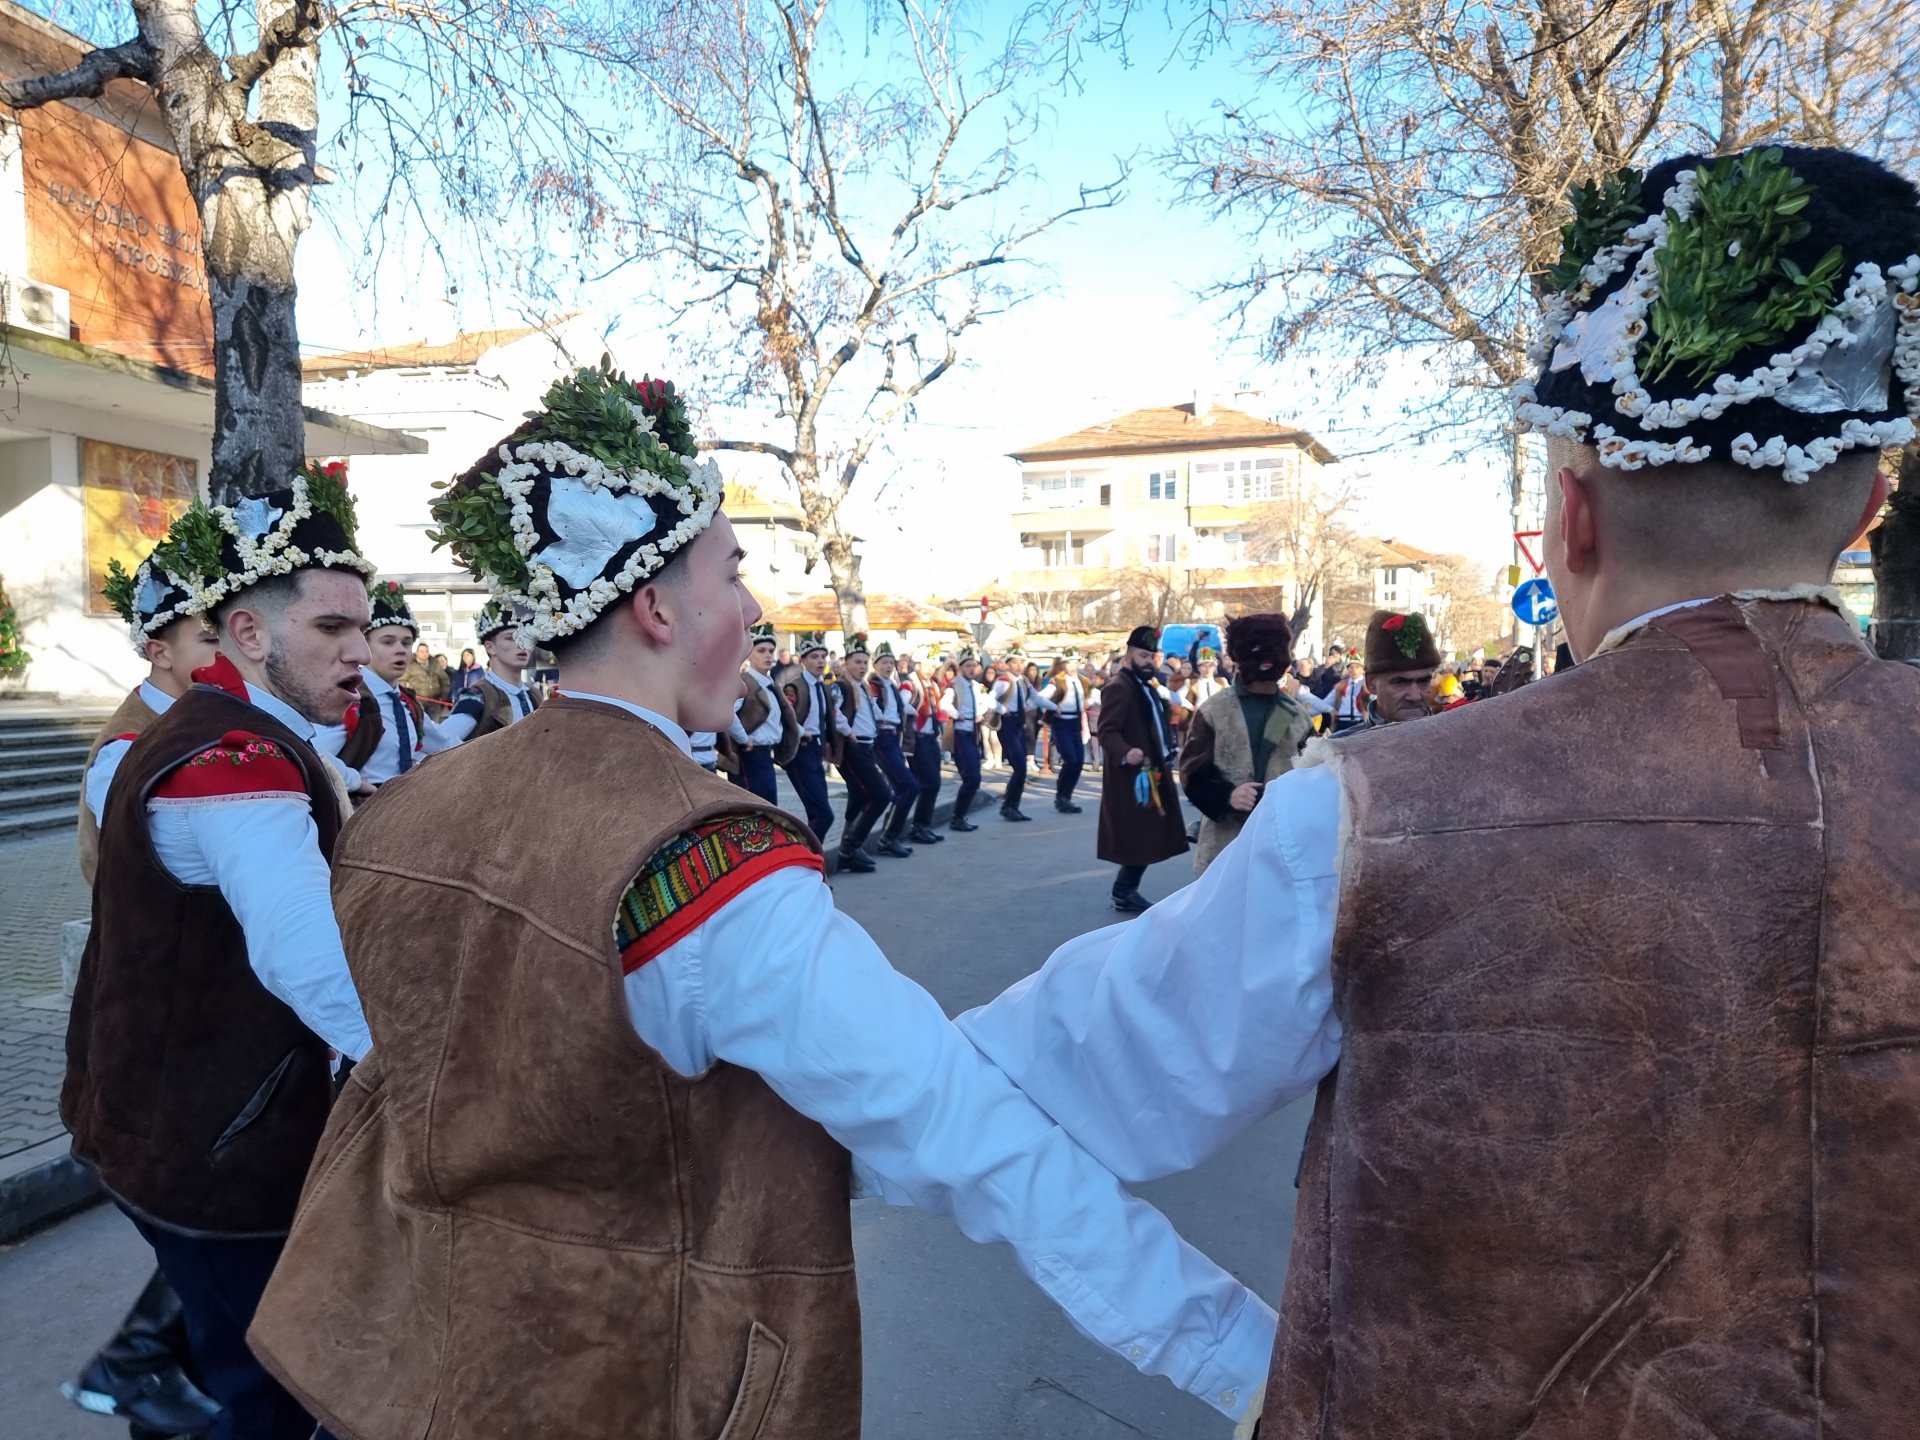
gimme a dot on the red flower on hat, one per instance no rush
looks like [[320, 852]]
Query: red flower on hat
[[334, 470], [1393, 622]]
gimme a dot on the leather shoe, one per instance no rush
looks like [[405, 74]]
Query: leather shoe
[[922, 835], [857, 862], [895, 849], [1067, 807], [1131, 903], [962, 824], [138, 1375], [1014, 815]]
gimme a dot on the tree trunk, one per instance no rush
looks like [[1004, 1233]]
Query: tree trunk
[[259, 431], [821, 511], [1896, 568]]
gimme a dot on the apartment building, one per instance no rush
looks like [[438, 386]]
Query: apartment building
[[1168, 495]]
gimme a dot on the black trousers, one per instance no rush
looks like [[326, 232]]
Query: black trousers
[[808, 772], [867, 793], [1070, 755], [1129, 878], [900, 781], [1013, 749], [966, 759], [926, 770], [219, 1282], [756, 774]]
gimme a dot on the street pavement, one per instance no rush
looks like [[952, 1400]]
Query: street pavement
[[42, 888], [958, 1344]]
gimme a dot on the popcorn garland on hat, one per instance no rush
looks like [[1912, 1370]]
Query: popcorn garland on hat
[[1870, 335], [491, 619], [311, 525], [171, 582], [390, 607], [573, 509]]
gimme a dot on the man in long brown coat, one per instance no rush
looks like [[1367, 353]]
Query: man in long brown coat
[[1139, 825], [1620, 1145]]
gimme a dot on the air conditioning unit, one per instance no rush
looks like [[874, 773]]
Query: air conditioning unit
[[33, 306]]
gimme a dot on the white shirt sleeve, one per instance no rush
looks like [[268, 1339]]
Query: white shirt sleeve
[[799, 993], [1156, 1041], [328, 741], [1312, 702], [264, 855], [100, 775]]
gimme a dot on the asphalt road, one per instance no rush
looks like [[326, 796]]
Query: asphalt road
[[959, 1346]]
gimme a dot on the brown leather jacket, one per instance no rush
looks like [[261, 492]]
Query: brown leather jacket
[[522, 1221], [1621, 1143]]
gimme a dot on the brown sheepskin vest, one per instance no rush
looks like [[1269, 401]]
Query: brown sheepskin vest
[[1286, 730], [522, 1221], [196, 1094], [132, 718], [1621, 1143]]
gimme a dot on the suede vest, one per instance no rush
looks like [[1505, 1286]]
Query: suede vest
[[496, 709], [196, 1094], [132, 718], [522, 1221], [1286, 730], [1621, 1143]]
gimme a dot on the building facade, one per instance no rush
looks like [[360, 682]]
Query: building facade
[[106, 389], [1169, 504]]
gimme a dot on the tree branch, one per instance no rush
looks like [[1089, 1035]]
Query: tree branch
[[755, 447], [130, 60]]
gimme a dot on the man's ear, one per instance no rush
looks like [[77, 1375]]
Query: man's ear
[[652, 608], [1577, 534], [246, 630]]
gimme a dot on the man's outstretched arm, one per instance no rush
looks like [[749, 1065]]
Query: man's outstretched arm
[[1156, 1041], [778, 981]]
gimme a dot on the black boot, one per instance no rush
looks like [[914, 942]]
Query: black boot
[[925, 835], [1010, 812], [1066, 807], [139, 1374], [894, 849], [856, 862], [1131, 902], [960, 821]]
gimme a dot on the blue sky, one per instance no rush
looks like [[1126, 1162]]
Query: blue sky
[[1119, 326]]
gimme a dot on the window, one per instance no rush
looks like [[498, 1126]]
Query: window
[[1163, 549], [1062, 551], [1066, 488], [1163, 485]]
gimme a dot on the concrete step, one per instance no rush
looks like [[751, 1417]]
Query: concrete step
[[65, 772], [47, 752], [28, 737], [15, 824], [40, 797]]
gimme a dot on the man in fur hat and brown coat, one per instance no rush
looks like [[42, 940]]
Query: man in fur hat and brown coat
[[1244, 735]]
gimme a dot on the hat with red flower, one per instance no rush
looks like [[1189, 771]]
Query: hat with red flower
[[390, 607], [310, 525], [1399, 641]]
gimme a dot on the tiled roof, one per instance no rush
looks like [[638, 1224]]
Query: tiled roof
[[1173, 427], [884, 612], [1398, 552], [463, 350]]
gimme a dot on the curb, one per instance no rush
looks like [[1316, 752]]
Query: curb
[[41, 1184]]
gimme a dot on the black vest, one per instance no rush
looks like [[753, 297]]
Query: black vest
[[196, 1094]]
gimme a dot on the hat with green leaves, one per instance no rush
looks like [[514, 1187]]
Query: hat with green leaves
[[883, 650], [764, 634], [173, 582], [857, 643], [493, 617], [390, 607], [590, 496], [811, 642], [311, 525], [1761, 308]]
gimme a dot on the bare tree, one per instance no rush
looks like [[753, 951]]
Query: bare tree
[[1406, 176], [1156, 595], [1466, 606], [1308, 528], [457, 111], [839, 204]]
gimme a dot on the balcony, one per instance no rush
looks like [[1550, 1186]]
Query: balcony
[[1081, 518]]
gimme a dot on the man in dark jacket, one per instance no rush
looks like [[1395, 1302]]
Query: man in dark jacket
[[1139, 824]]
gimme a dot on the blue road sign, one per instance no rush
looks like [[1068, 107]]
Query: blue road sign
[[1533, 602]]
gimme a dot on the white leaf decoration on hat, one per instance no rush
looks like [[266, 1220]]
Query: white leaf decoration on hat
[[255, 516], [591, 523], [152, 594]]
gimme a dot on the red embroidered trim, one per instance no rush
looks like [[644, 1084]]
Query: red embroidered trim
[[241, 764], [694, 875], [222, 674]]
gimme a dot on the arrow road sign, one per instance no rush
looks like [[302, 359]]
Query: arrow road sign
[[1533, 602]]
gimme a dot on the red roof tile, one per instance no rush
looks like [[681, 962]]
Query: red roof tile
[[1173, 427], [464, 349]]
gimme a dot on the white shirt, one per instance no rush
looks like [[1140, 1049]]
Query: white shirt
[[264, 855], [889, 710], [107, 759], [779, 982], [1073, 701], [865, 724], [384, 763], [961, 703], [704, 747], [1155, 1042], [816, 703], [768, 732]]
